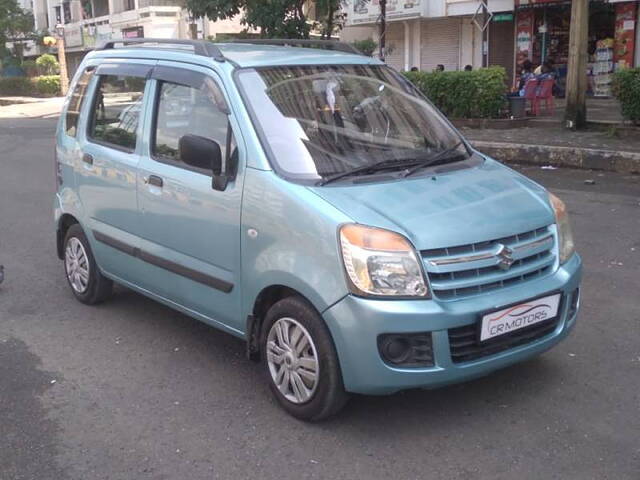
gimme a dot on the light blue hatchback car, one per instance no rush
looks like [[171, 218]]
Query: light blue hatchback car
[[314, 203]]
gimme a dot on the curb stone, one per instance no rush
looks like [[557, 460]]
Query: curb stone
[[572, 157]]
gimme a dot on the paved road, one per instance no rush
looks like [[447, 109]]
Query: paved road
[[133, 390]]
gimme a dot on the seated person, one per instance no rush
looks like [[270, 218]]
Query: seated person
[[525, 74]]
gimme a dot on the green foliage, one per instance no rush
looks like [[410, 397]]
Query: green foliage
[[7, 9], [44, 86], [273, 18], [367, 46], [612, 131], [48, 64], [47, 85], [30, 68], [476, 94], [626, 87], [16, 25], [330, 16], [277, 18], [15, 86]]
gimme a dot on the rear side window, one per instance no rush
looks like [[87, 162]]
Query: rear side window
[[116, 110], [185, 110], [76, 102]]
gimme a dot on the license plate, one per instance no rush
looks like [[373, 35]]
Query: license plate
[[519, 316]]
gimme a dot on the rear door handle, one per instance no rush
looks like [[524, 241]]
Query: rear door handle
[[154, 180], [87, 158]]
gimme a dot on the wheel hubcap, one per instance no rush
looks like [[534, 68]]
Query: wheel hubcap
[[292, 360], [76, 265]]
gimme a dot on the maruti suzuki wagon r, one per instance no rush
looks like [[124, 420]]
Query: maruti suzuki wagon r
[[314, 203]]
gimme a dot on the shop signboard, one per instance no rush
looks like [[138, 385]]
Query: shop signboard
[[524, 36], [368, 11], [526, 3], [133, 32], [72, 36], [93, 35], [523, 3], [625, 34]]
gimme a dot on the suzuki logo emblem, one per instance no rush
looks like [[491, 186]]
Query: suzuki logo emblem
[[505, 259]]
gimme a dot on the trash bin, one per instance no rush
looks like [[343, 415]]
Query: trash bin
[[518, 107]]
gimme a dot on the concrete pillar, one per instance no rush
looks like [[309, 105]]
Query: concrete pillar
[[407, 45], [417, 44], [576, 112]]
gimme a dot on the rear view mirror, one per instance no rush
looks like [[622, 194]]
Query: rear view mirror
[[201, 152]]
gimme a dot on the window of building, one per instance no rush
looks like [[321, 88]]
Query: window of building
[[76, 102], [185, 110], [116, 110]]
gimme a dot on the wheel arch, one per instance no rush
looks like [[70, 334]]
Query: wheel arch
[[267, 297], [65, 222]]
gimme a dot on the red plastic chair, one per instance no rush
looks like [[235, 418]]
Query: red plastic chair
[[545, 92], [530, 89]]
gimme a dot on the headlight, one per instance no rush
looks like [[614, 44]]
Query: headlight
[[381, 263], [565, 237]]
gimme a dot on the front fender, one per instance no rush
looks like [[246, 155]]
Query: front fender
[[289, 238]]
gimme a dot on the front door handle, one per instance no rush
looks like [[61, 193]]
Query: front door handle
[[154, 180], [87, 158]]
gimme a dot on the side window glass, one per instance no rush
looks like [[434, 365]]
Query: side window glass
[[184, 110], [76, 101], [116, 110]]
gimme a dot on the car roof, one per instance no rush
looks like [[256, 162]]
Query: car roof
[[251, 55], [242, 55]]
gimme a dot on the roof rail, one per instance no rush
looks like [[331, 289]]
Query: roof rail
[[298, 42], [200, 47]]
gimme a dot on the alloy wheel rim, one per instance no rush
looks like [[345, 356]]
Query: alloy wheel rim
[[76, 265], [293, 360]]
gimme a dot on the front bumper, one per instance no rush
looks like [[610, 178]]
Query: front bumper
[[355, 324]]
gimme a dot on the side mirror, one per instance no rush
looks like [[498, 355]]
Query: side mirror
[[201, 152]]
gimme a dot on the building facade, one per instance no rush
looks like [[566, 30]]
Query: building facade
[[542, 33], [426, 33]]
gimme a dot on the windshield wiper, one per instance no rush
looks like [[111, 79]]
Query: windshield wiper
[[388, 163], [433, 160]]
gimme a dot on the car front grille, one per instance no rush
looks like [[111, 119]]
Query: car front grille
[[465, 345], [467, 270]]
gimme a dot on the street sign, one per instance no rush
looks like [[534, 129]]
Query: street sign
[[482, 17], [503, 17]]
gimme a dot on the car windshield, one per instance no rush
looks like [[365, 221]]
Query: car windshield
[[322, 121]]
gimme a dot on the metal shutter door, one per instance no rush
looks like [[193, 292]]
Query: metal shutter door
[[440, 44], [501, 47], [395, 40]]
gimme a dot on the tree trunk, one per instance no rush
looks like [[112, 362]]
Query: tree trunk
[[301, 15], [383, 28], [576, 111], [330, 15]]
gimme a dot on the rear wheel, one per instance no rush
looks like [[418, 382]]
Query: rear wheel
[[86, 282], [300, 361]]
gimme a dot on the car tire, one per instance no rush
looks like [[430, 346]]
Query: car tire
[[293, 337], [85, 279]]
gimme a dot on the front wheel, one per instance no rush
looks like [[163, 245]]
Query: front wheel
[[300, 361]]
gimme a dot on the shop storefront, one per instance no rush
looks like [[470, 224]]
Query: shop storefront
[[501, 42], [542, 34]]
